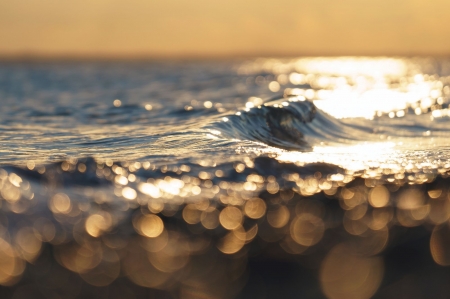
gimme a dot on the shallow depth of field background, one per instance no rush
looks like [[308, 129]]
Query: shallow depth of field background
[[202, 28]]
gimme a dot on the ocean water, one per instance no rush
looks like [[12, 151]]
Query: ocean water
[[259, 178]]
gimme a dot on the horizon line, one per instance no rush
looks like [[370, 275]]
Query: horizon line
[[35, 56]]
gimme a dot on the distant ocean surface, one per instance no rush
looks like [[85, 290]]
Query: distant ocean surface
[[190, 179]]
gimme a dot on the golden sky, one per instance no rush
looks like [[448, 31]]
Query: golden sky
[[186, 28]]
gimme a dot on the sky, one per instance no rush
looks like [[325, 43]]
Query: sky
[[208, 28]]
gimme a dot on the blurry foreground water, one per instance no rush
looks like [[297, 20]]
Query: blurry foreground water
[[267, 178]]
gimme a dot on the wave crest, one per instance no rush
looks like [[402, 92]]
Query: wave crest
[[289, 124]]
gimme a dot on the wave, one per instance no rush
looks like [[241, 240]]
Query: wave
[[292, 124]]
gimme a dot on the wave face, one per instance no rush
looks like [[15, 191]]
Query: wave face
[[292, 123]]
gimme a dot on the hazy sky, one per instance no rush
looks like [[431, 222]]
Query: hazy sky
[[224, 27]]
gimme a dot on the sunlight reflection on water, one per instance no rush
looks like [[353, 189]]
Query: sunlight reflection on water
[[188, 178]]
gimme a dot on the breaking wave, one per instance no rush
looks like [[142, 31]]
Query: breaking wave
[[291, 124]]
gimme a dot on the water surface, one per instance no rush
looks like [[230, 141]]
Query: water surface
[[143, 172]]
